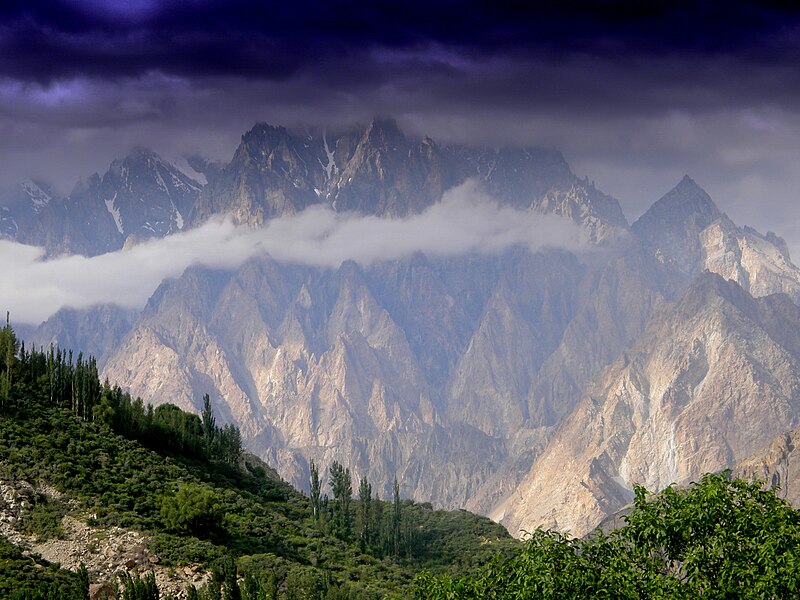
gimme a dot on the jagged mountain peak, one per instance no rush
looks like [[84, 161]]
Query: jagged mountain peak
[[349, 277], [686, 231], [263, 128], [687, 184], [146, 196], [774, 239], [671, 227], [687, 204], [384, 131], [375, 169], [142, 160], [689, 193], [263, 135], [143, 153], [138, 156]]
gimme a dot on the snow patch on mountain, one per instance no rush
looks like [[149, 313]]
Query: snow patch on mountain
[[38, 197], [114, 211], [330, 169]]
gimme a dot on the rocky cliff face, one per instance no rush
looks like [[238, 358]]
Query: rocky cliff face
[[423, 368], [535, 387], [777, 466], [710, 378]]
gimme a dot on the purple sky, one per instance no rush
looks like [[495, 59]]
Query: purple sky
[[634, 102]]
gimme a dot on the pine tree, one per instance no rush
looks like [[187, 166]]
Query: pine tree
[[230, 444]]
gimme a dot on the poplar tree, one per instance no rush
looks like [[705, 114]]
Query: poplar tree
[[8, 350], [365, 514], [209, 424], [342, 487], [315, 490], [396, 518]]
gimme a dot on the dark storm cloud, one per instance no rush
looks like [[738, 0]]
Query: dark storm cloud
[[634, 93], [610, 58], [42, 40]]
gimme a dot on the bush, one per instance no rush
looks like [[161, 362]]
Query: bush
[[44, 518], [193, 509]]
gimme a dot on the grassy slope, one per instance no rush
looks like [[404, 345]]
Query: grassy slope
[[266, 524]]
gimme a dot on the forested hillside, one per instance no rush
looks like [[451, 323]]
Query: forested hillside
[[94, 454]]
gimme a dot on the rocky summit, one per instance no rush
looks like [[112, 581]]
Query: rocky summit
[[535, 387]]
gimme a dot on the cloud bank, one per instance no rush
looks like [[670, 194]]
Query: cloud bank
[[465, 221]]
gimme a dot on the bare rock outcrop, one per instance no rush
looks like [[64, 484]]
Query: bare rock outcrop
[[777, 465]]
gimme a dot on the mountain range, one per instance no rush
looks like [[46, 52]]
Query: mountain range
[[534, 387]]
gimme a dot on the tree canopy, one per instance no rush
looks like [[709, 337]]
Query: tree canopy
[[718, 538]]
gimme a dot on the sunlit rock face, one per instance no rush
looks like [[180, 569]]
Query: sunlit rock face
[[536, 387], [710, 380], [713, 376]]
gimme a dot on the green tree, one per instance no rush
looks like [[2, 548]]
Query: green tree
[[721, 538], [315, 489], [342, 487], [194, 508], [209, 423], [229, 577], [8, 352], [304, 584], [255, 589], [397, 518], [716, 539], [230, 444], [136, 588], [364, 514]]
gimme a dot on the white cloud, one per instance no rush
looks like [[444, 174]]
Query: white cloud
[[465, 221]]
